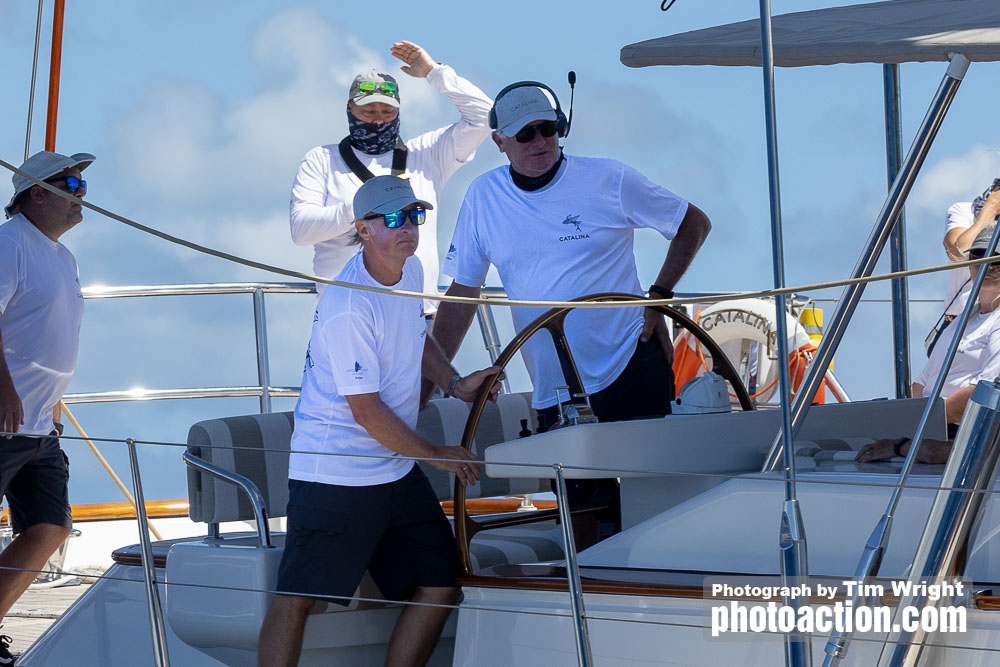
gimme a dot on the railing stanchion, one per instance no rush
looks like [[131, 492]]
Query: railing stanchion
[[263, 368], [573, 572], [157, 629]]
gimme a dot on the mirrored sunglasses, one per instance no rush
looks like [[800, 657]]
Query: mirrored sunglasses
[[545, 128], [398, 218], [73, 184], [372, 87]]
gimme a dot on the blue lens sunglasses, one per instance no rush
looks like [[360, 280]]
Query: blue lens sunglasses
[[73, 184], [396, 219]]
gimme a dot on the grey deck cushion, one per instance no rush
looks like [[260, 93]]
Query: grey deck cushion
[[257, 446]]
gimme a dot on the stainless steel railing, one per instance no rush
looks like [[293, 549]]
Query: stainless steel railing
[[264, 390]]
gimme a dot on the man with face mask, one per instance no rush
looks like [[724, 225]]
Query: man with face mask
[[322, 213]]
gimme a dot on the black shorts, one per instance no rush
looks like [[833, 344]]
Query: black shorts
[[397, 531], [34, 475], [644, 388]]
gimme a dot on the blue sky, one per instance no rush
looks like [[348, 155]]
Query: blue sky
[[199, 113]]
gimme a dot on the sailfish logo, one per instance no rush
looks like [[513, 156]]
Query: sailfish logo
[[573, 220], [357, 367]]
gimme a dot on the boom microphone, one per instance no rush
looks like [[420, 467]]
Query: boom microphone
[[572, 91]]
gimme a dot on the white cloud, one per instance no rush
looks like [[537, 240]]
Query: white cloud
[[216, 170], [956, 178]]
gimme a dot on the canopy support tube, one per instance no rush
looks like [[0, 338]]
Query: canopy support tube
[[873, 249], [965, 489], [897, 244], [791, 532]]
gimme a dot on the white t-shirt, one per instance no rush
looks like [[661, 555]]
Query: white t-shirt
[[41, 309], [322, 199], [361, 343], [978, 356], [959, 217], [571, 238]]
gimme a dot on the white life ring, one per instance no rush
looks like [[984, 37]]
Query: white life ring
[[736, 326]]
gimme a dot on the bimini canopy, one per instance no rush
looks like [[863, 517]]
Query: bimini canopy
[[896, 31]]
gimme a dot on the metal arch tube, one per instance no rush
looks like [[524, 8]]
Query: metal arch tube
[[965, 485], [878, 540], [491, 337], [158, 630], [876, 242], [256, 498]]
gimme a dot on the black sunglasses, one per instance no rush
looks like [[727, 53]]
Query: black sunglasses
[[545, 128]]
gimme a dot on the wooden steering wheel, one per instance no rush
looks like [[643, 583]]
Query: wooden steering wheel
[[554, 320]]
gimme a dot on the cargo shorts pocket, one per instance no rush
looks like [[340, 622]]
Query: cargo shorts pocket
[[304, 522]]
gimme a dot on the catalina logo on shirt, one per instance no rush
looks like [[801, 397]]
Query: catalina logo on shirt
[[575, 221]]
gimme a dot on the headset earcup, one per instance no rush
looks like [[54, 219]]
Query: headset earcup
[[562, 125]]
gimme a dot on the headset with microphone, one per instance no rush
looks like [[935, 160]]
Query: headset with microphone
[[563, 123]]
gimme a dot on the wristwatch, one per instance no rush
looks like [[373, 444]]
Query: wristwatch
[[897, 448], [661, 292], [450, 391]]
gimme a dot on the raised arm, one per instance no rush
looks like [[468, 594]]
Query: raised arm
[[473, 104], [957, 241]]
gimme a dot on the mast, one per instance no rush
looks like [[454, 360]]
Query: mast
[[55, 68]]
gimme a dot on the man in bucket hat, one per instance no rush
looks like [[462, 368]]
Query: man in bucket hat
[[367, 506], [321, 213], [41, 307]]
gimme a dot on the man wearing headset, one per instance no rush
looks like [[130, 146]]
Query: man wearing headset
[[558, 227], [321, 212]]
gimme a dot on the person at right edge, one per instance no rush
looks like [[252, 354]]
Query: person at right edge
[[558, 227], [963, 223]]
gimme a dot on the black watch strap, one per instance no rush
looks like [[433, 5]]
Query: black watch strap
[[661, 292], [897, 448]]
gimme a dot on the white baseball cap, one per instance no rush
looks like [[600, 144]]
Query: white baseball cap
[[385, 194], [520, 106]]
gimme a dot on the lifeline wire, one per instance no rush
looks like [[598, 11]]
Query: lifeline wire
[[236, 259]]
